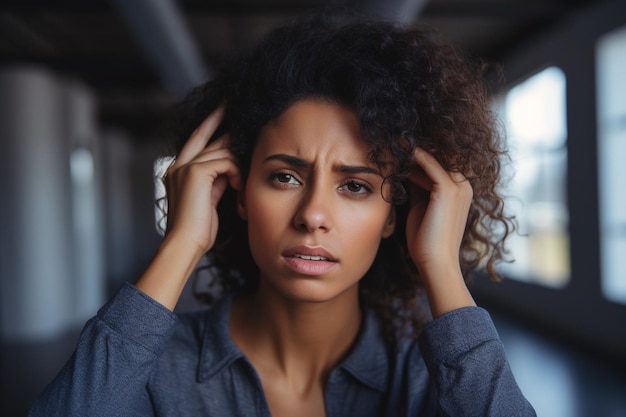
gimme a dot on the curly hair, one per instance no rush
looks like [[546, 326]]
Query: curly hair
[[408, 88]]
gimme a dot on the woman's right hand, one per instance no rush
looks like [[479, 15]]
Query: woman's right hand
[[196, 181]]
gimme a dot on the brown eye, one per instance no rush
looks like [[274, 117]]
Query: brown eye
[[284, 178], [356, 187]]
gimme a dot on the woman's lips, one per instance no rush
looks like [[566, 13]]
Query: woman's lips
[[307, 260]]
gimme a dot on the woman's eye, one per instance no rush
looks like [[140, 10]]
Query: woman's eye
[[356, 187], [284, 178]]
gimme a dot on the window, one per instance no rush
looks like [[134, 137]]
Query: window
[[611, 67], [534, 117]]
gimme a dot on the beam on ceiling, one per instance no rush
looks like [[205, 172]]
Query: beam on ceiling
[[164, 36], [403, 12]]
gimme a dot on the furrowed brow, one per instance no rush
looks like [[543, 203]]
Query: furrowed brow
[[288, 159], [302, 163], [356, 169]]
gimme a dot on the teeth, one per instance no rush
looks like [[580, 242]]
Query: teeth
[[311, 258]]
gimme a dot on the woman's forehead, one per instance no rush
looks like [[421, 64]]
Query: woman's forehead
[[310, 127]]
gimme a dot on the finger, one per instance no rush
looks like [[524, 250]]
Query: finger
[[212, 154], [209, 155], [216, 150], [198, 172], [433, 169], [200, 137], [220, 143], [418, 177], [218, 168], [219, 186]]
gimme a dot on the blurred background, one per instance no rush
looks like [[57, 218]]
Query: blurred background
[[85, 84]]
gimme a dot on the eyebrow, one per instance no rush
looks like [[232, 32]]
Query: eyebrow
[[302, 163]]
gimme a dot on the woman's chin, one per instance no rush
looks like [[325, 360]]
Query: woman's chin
[[312, 290]]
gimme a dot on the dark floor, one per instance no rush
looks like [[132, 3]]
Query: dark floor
[[559, 381]]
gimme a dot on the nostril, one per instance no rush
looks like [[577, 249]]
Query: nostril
[[311, 221], [314, 212]]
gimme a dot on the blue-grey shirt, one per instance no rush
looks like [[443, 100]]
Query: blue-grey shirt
[[136, 358]]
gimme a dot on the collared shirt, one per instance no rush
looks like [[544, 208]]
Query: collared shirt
[[136, 358]]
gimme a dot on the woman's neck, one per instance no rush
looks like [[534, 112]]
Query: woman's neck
[[299, 341]]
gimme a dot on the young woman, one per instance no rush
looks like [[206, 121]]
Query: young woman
[[343, 185]]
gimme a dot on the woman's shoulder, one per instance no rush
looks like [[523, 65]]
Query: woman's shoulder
[[198, 339]]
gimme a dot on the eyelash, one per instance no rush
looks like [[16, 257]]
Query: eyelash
[[364, 187]]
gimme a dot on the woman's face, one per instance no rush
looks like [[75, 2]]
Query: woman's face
[[313, 203]]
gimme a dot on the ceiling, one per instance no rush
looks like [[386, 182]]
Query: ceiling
[[132, 53]]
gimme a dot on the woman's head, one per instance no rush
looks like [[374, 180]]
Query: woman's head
[[314, 204], [406, 88]]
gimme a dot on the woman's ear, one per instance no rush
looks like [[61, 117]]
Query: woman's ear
[[241, 204], [390, 224]]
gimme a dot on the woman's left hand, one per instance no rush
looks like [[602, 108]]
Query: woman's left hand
[[439, 207]]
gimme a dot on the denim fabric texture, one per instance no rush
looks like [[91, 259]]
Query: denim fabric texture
[[136, 358]]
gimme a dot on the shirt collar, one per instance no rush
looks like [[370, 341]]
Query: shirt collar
[[367, 362]]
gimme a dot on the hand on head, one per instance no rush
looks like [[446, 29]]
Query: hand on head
[[196, 181], [439, 205]]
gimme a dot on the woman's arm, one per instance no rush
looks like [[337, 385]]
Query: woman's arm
[[195, 183], [469, 373], [118, 349], [108, 373], [462, 350], [440, 203]]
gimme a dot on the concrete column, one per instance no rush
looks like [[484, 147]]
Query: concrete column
[[86, 179], [35, 218]]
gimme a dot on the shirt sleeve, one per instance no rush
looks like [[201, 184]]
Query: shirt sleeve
[[110, 368], [468, 367]]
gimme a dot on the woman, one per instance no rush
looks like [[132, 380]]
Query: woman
[[344, 186]]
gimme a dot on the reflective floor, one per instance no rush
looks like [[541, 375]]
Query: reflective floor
[[561, 381], [558, 380]]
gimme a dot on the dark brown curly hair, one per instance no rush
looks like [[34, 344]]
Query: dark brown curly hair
[[408, 88]]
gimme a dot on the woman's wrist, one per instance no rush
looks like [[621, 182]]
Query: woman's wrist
[[446, 288], [169, 270]]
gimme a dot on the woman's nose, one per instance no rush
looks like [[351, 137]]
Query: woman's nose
[[315, 210]]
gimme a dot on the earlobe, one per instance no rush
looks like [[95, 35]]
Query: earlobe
[[390, 224], [241, 205]]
